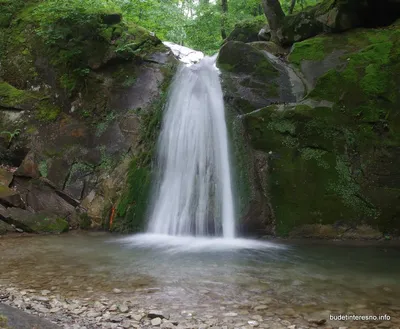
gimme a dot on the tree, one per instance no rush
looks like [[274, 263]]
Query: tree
[[275, 16], [292, 5], [224, 6]]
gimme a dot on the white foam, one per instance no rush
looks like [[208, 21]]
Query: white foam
[[195, 244]]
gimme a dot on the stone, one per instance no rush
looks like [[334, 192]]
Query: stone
[[40, 298], [41, 222], [136, 317], [45, 292], [260, 307], [113, 308], [253, 323], [157, 314], [99, 307], [230, 314], [116, 318], [93, 314], [123, 308], [156, 321]]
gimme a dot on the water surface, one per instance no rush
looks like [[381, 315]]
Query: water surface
[[208, 273]]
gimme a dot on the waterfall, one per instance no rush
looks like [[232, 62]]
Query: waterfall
[[193, 190]]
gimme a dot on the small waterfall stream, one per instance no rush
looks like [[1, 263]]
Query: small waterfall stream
[[193, 190]]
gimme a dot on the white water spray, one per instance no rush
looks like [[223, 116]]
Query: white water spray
[[193, 192]]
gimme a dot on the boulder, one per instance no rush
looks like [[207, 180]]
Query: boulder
[[41, 222], [248, 31], [339, 147]]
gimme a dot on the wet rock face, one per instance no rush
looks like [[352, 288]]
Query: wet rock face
[[76, 120], [252, 79], [333, 156], [330, 157]]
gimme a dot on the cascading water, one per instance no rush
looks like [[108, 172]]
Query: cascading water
[[193, 191]]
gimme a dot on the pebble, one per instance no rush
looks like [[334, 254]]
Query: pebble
[[156, 321], [136, 317], [117, 291], [122, 313], [123, 308], [253, 323]]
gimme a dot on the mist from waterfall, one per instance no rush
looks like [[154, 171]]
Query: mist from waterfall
[[193, 190]]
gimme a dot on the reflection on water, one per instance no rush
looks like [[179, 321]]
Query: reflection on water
[[325, 276]]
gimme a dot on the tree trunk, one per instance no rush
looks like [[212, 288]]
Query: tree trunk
[[275, 16], [292, 5], [224, 6]]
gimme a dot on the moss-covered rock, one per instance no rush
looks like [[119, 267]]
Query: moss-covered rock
[[247, 31], [238, 57], [41, 222], [334, 157], [82, 78]]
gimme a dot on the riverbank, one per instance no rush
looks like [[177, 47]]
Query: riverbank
[[120, 312]]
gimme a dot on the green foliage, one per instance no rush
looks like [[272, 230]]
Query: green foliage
[[47, 111], [11, 135], [132, 207]]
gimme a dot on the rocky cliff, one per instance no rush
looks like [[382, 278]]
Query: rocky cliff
[[81, 93], [327, 161]]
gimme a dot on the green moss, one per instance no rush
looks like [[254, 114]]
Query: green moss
[[13, 97], [47, 111], [306, 184], [333, 156], [42, 223], [311, 50], [247, 30], [131, 209]]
